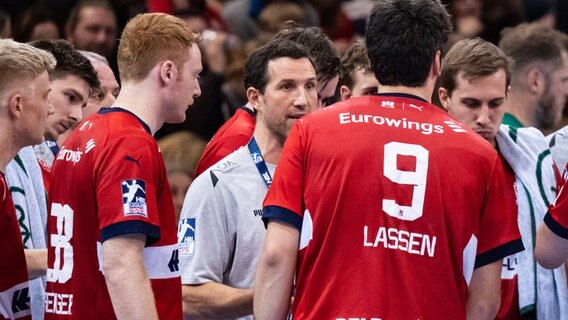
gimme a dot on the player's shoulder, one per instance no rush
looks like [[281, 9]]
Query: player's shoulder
[[558, 138], [115, 125], [231, 170]]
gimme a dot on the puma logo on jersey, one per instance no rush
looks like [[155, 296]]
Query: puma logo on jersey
[[257, 212], [129, 158]]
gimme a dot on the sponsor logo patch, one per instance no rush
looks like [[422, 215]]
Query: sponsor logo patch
[[186, 237], [134, 198]]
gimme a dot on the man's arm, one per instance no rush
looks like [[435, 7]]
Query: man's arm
[[125, 276], [215, 300], [36, 260], [551, 250], [484, 292], [275, 273]]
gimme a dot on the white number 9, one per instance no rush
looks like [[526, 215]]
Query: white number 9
[[417, 178]]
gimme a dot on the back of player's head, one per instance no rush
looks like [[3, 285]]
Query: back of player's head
[[353, 60], [472, 59], [20, 62], [531, 43], [69, 61], [403, 37], [256, 66], [149, 39], [318, 45]]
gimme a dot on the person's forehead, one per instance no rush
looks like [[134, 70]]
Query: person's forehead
[[283, 67], [89, 14], [194, 62], [104, 72], [70, 82], [498, 78], [364, 74]]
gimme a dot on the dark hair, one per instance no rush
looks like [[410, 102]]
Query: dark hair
[[528, 43], [69, 61], [354, 59], [474, 58], [73, 19], [403, 37], [257, 62], [317, 44]]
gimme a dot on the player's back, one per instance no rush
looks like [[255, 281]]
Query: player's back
[[396, 190]]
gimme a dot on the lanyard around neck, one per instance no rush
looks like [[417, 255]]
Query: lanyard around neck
[[258, 160]]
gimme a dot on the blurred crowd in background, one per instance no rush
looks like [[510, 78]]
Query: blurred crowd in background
[[230, 30]]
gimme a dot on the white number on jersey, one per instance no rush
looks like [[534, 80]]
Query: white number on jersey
[[63, 263], [416, 178]]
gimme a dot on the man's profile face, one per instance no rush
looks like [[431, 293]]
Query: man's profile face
[[553, 99], [478, 103], [187, 87], [105, 97], [36, 108], [68, 96], [95, 31]]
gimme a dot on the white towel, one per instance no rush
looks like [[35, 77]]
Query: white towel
[[23, 175], [526, 151]]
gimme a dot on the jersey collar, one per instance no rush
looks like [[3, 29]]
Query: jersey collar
[[117, 109], [401, 95]]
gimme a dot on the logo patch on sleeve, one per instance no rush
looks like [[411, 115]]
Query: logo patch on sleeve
[[186, 237], [134, 198]]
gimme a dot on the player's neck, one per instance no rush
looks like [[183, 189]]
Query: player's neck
[[270, 146], [520, 106], [142, 103], [422, 92]]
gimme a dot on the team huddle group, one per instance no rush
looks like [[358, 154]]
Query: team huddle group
[[378, 206]]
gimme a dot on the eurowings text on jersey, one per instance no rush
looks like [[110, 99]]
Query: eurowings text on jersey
[[424, 128]]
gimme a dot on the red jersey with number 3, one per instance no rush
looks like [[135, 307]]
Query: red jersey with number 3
[[397, 203], [108, 180], [14, 292]]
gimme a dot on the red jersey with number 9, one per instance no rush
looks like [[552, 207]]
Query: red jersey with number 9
[[397, 204], [108, 180]]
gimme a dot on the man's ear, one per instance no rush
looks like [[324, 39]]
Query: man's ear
[[16, 105], [344, 92], [444, 97], [254, 96], [168, 72], [437, 66], [535, 80]]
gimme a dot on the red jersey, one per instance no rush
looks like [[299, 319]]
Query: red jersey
[[397, 203], [108, 179], [557, 217], [14, 291], [509, 308], [235, 133]]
